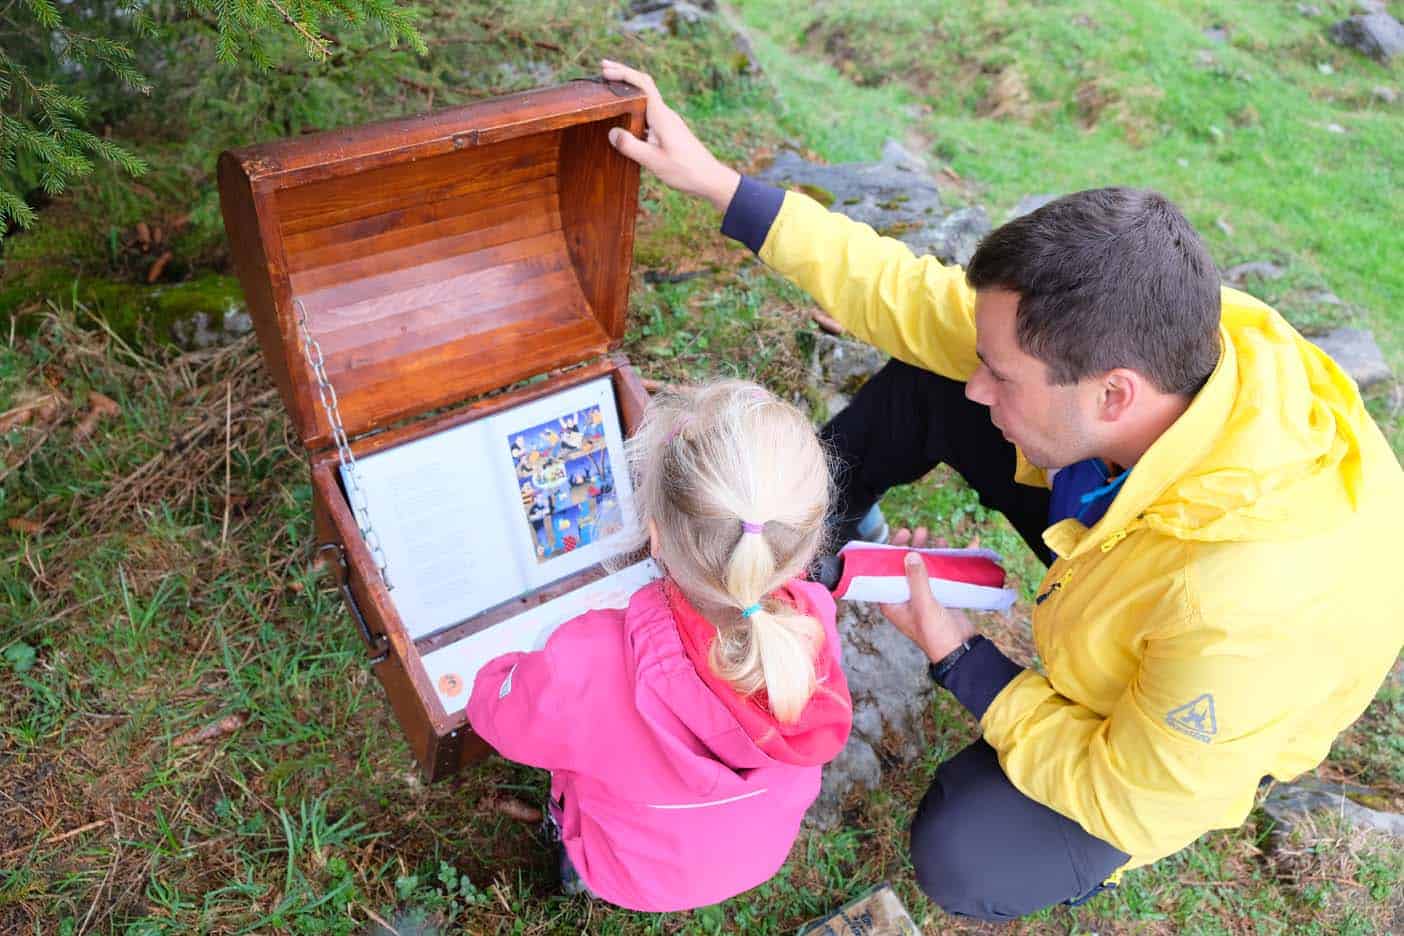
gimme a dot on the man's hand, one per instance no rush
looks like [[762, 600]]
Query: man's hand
[[671, 151], [936, 629]]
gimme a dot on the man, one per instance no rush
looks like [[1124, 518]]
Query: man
[[1221, 599]]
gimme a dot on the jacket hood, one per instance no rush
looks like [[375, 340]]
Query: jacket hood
[[1269, 448], [705, 706]]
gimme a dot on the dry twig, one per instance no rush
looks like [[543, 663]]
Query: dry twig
[[63, 837], [228, 415]]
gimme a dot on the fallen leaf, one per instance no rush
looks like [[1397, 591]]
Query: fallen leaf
[[513, 808], [45, 407], [159, 267], [213, 731], [143, 234], [104, 403], [100, 407], [24, 525]]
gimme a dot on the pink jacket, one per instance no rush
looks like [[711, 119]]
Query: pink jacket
[[667, 803]]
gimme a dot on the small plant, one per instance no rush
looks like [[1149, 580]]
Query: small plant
[[445, 893]]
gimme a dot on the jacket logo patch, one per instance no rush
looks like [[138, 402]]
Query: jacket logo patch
[[1195, 719]]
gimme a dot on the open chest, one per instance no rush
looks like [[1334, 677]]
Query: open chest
[[431, 285]]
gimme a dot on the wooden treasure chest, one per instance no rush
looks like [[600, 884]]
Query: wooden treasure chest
[[439, 300]]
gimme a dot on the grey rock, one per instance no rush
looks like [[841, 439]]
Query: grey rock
[[746, 51], [1385, 94], [407, 923], [954, 238], [1288, 803], [1371, 6], [898, 156], [843, 365], [891, 691], [1324, 297], [208, 329], [1028, 204], [834, 403], [894, 196], [1357, 353], [1216, 34], [1308, 9], [1259, 269], [1377, 35], [663, 17]]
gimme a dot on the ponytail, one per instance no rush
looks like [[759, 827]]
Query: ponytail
[[775, 643], [784, 643], [708, 464]]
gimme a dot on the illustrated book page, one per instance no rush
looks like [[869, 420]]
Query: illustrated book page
[[482, 513]]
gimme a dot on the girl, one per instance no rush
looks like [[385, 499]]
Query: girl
[[685, 733]]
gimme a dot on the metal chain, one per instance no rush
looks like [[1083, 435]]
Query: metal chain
[[355, 493]]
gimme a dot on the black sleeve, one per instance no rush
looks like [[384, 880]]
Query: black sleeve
[[751, 213]]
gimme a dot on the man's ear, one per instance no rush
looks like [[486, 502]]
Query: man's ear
[[1121, 387]]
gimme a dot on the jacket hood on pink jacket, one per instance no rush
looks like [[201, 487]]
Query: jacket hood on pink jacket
[[665, 799]]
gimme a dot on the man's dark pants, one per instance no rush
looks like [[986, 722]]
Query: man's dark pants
[[979, 847]]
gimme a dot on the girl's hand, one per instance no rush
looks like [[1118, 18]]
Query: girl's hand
[[672, 152]]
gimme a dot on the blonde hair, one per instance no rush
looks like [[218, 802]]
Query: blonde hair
[[705, 461]]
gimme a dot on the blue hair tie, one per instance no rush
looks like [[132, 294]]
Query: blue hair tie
[[747, 612]]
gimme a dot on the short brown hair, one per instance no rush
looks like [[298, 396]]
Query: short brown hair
[[1110, 277]]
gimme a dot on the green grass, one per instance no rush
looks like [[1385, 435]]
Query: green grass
[[1237, 133], [131, 618]]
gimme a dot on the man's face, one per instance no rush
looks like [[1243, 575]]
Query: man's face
[[1054, 426]]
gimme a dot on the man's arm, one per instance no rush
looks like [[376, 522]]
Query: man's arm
[[915, 309]]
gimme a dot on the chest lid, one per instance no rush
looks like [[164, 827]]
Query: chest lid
[[436, 257]]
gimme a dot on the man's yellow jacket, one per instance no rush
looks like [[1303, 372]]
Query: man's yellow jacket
[[1236, 607]]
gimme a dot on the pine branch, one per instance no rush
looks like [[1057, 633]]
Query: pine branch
[[45, 13], [14, 208], [43, 139], [317, 47]]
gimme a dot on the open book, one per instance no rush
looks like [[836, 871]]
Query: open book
[[484, 512]]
